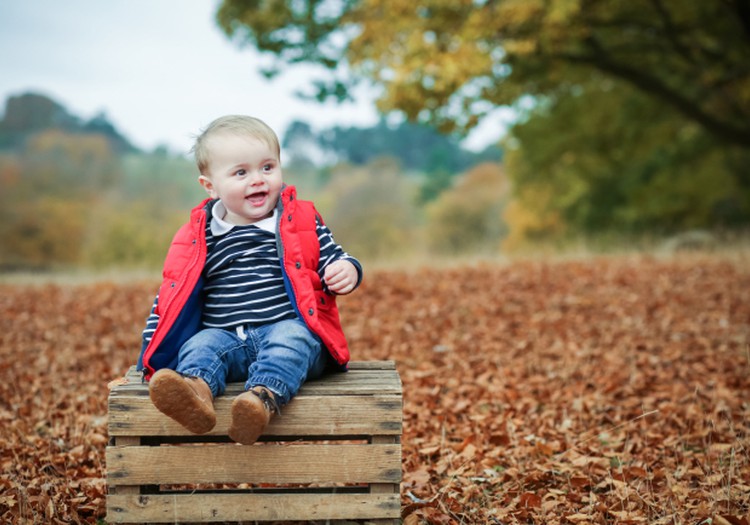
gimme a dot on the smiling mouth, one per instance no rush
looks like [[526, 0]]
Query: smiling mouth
[[257, 199]]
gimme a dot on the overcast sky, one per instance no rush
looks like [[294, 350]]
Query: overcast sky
[[159, 69]]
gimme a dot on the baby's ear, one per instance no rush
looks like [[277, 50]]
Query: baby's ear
[[208, 186]]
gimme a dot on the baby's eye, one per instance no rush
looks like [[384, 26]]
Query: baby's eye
[[240, 173], [268, 167]]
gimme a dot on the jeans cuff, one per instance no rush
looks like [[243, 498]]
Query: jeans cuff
[[202, 374], [283, 395]]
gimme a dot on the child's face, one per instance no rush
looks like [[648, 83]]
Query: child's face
[[245, 173]]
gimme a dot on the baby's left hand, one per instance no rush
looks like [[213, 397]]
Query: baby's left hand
[[341, 277]]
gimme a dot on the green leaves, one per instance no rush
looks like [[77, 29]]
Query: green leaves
[[644, 167]]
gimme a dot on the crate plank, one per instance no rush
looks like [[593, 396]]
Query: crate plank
[[357, 369], [311, 415], [355, 382], [231, 463], [175, 508], [364, 401]]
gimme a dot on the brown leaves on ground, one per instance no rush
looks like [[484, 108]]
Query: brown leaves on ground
[[598, 391]]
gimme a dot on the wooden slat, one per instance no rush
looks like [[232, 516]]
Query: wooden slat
[[355, 383], [384, 488], [174, 508], [306, 415], [360, 380], [350, 383], [127, 441], [230, 463], [134, 374], [363, 401], [373, 365]]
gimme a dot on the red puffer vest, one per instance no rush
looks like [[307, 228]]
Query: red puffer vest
[[180, 294]]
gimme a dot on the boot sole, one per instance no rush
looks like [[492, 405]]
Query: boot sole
[[249, 420], [175, 398]]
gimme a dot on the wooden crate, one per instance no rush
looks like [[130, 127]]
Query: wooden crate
[[333, 454]]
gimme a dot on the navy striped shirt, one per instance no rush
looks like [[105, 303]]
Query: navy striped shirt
[[244, 283]]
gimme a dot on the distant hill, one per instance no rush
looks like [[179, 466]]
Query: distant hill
[[30, 113]]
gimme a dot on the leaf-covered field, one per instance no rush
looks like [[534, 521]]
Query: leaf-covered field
[[612, 390]]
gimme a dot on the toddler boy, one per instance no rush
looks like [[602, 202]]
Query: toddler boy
[[249, 290]]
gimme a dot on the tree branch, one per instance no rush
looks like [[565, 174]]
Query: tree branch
[[739, 135], [742, 8]]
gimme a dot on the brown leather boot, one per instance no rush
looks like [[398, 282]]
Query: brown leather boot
[[187, 400], [251, 412]]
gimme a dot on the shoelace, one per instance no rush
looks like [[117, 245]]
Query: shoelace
[[269, 400]]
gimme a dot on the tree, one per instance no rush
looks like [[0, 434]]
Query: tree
[[31, 113], [467, 217], [371, 210], [418, 147], [69, 196], [101, 125], [610, 172], [300, 143], [47, 195], [451, 61]]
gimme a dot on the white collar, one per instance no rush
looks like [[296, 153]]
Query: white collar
[[221, 227]]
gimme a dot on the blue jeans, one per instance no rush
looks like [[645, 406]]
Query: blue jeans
[[280, 356]]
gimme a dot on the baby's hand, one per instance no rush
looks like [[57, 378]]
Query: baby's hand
[[341, 277]]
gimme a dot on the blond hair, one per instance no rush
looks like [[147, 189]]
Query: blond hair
[[237, 124]]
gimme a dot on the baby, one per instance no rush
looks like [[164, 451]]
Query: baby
[[249, 290]]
